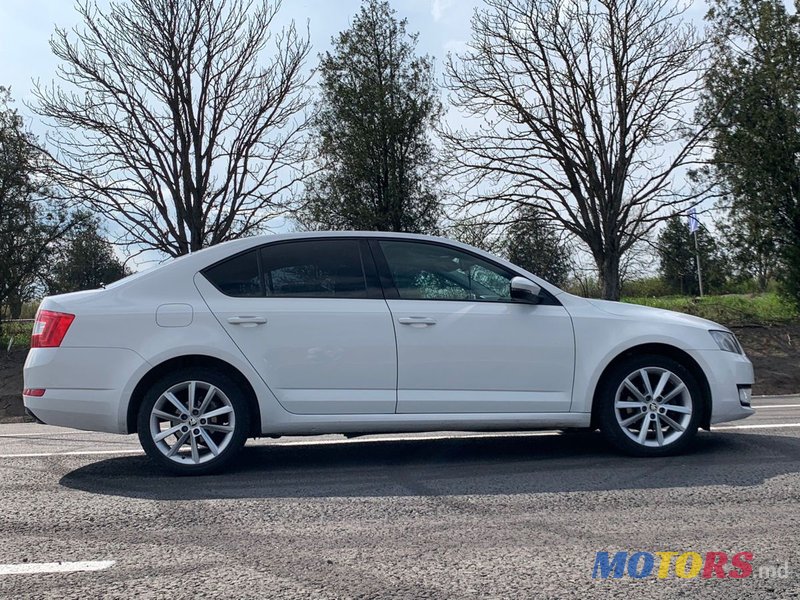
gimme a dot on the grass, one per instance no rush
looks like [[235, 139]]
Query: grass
[[18, 334], [732, 309]]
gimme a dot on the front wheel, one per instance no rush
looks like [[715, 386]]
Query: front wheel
[[650, 406], [193, 421]]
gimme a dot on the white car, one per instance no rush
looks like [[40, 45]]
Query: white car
[[364, 332]]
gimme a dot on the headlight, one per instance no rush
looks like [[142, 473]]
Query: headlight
[[726, 341]]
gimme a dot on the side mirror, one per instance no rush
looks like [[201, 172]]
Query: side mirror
[[526, 290]]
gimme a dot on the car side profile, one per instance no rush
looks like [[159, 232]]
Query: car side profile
[[366, 332]]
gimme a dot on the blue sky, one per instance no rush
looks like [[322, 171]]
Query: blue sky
[[26, 27]]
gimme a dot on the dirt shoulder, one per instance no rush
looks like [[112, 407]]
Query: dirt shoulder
[[775, 352], [11, 409]]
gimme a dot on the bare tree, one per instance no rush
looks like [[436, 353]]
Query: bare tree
[[585, 111], [477, 232], [175, 122]]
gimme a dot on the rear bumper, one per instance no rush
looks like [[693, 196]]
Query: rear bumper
[[726, 373], [83, 386]]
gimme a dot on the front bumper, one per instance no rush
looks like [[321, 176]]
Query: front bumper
[[727, 373], [83, 386]]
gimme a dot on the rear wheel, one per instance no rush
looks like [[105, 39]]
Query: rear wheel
[[650, 406], [193, 421]]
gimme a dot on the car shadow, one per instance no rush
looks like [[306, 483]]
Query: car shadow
[[578, 462]]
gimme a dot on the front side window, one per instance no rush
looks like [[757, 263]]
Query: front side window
[[423, 271], [314, 269]]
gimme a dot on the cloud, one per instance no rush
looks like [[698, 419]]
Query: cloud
[[438, 8], [454, 45]]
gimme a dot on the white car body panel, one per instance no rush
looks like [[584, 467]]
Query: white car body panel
[[483, 357], [317, 355], [323, 370], [624, 326]]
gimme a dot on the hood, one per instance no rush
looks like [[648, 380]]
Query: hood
[[647, 313]]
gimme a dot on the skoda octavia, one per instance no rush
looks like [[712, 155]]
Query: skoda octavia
[[363, 332]]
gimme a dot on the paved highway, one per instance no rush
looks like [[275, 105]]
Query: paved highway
[[418, 516]]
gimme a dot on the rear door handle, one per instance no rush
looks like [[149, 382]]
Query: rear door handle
[[417, 321], [247, 321]]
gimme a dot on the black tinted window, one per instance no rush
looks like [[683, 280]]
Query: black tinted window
[[237, 276], [314, 269], [433, 272]]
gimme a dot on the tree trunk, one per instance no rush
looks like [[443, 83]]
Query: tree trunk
[[608, 268], [762, 281], [15, 307]]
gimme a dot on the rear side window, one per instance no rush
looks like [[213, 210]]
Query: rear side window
[[314, 269], [237, 276]]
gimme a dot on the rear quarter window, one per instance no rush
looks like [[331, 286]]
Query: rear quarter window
[[237, 276]]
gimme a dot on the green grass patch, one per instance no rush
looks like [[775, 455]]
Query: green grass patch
[[19, 334], [731, 309]]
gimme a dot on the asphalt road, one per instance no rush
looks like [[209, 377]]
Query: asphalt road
[[429, 516]]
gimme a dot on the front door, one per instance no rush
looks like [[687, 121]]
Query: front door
[[464, 345]]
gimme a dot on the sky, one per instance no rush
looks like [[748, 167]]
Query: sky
[[27, 25]]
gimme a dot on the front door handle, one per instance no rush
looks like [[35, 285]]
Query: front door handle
[[417, 321], [247, 321]]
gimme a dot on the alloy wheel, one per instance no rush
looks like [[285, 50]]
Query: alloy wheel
[[653, 407], [192, 422]]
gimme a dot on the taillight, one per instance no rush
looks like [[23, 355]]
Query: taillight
[[50, 328]]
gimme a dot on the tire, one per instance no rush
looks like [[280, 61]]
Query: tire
[[204, 438], [670, 402]]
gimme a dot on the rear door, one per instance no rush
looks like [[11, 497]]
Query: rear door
[[311, 319]]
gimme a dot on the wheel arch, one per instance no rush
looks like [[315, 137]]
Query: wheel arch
[[193, 360], [669, 351]]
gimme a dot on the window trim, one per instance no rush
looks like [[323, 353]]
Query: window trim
[[371, 279], [391, 292]]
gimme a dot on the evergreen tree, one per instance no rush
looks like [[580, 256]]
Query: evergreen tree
[[753, 98], [378, 103], [84, 260], [29, 223], [750, 244], [535, 245], [678, 259]]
